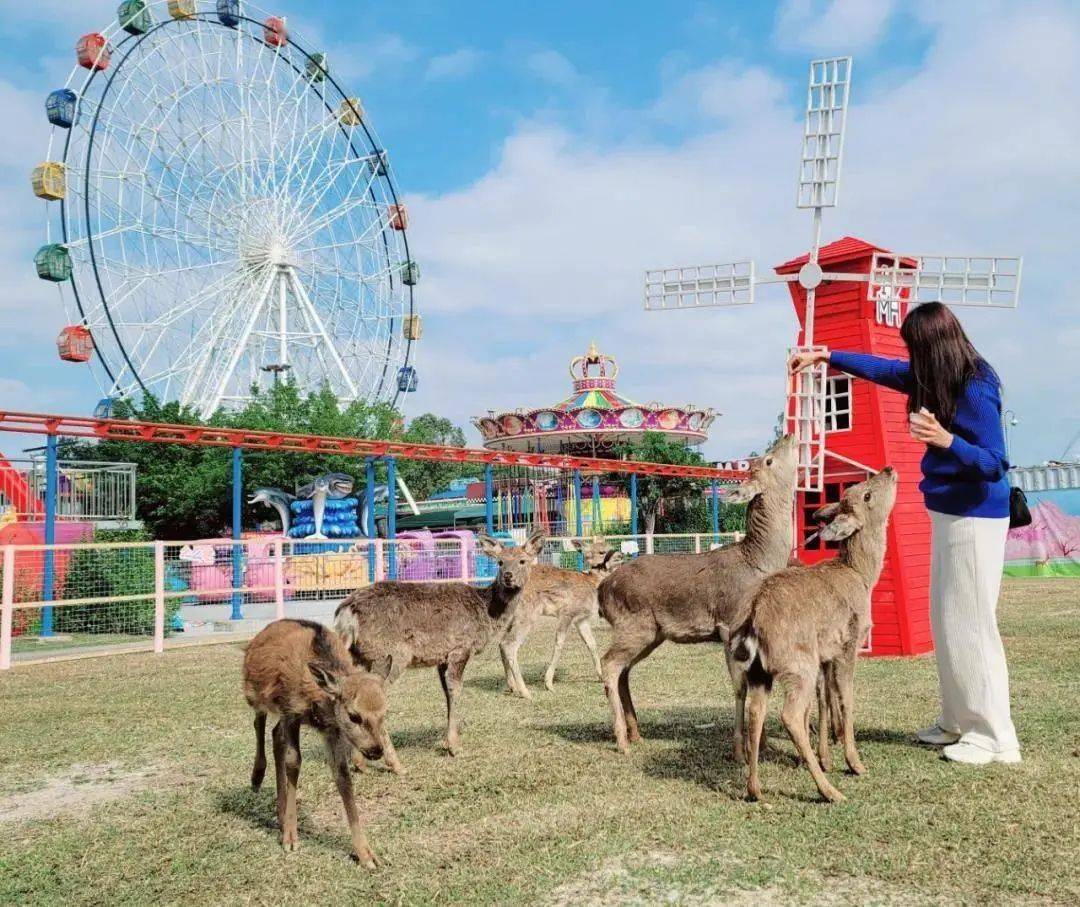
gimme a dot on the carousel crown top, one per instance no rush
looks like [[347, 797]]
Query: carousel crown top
[[594, 419]]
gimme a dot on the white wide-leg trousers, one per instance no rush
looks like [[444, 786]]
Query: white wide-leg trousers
[[965, 579]]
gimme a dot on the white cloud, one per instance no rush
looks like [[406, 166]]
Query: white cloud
[[552, 67], [455, 65], [545, 252], [832, 26]]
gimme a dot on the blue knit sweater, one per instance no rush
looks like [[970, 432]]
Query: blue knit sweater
[[969, 478]]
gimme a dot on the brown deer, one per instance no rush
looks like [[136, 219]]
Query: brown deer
[[568, 595], [806, 619], [436, 625], [301, 672], [694, 598]]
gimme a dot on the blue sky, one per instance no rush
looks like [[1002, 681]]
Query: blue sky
[[552, 151]]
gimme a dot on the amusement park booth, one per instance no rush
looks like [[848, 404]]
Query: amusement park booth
[[866, 428]]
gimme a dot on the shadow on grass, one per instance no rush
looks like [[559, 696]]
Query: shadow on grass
[[258, 809]]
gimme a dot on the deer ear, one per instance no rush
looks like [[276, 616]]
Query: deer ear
[[384, 668], [535, 543], [326, 680], [826, 513], [744, 492], [491, 547], [842, 527]]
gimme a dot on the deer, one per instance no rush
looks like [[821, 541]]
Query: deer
[[439, 625], [568, 595], [805, 628], [695, 598], [301, 672]]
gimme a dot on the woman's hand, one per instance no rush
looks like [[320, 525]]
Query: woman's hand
[[799, 361], [926, 428]]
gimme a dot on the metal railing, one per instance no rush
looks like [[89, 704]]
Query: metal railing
[[85, 490]]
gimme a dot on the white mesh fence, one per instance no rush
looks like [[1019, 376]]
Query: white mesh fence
[[69, 599]]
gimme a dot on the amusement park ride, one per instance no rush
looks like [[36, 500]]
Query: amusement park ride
[[222, 214], [846, 430]]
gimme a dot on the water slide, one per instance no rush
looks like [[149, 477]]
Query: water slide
[[16, 492]]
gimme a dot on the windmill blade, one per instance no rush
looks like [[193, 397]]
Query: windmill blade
[[700, 286], [983, 281], [823, 132]]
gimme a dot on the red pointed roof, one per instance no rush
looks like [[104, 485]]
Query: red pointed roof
[[844, 249]]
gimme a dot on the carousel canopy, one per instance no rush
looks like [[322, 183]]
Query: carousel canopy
[[594, 418]]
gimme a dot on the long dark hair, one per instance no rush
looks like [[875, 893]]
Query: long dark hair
[[943, 360]]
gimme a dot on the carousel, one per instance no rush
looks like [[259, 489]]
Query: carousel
[[594, 420]]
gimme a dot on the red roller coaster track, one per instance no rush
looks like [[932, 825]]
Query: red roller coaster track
[[164, 433]]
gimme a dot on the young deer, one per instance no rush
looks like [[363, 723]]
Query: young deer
[[568, 595], [435, 625], [301, 672], [693, 598], [806, 623]]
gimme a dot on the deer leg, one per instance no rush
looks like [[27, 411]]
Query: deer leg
[[757, 705], [845, 684], [584, 629], [290, 835], [560, 640], [515, 668], [450, 675], [338, 751], [277, 736], [258, 771], [632, 729], [611, 668], [796, 708], [823, 720]]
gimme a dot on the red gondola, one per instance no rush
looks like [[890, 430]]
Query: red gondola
[[92, 51], [75, 344]]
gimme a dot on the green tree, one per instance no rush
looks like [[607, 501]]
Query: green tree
[[654, 447], [185, 491]]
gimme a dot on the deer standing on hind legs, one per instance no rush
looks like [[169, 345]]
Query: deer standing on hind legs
[[694, 598], [804, 619], [436, 625], [301, 672]]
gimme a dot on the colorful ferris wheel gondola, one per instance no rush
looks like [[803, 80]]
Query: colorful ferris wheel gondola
[[225, 211]]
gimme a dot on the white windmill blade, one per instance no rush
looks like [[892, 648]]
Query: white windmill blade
[[989, 281], [700, 286], [823, 132]]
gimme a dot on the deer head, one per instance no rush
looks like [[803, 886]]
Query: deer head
[[774, 471]]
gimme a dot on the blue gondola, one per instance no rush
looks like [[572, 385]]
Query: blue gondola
[[407, 379], [228, 12], [104, 408], [60, 107]]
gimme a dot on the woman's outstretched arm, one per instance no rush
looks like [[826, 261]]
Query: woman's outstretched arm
[[894, 373]]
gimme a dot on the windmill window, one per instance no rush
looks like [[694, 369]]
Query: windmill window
[[838, 403]]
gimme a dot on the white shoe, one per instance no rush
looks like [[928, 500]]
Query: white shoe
[[972, 754], [936, 736]]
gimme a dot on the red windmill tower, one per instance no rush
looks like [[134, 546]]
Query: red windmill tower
[[851, 295]]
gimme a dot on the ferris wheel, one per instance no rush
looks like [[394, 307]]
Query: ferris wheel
[[222, 215]]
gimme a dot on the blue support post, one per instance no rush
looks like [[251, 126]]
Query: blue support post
[[237, 527], [714, 511], [579, 527], [391, 513], [370, 526], [489, 499], [597, 513], [633, 504], [48, 581]]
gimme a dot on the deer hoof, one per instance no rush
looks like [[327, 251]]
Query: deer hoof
[[833, 795], [366, 859], [857, 768], [290, 843], [398, 769]]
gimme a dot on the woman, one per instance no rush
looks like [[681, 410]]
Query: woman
[[954, 402]]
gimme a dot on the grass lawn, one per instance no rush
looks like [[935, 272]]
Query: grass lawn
[[125, 782]]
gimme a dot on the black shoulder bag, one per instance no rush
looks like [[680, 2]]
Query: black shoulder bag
[[1019, 514]]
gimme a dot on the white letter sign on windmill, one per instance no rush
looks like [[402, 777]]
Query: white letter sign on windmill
[[895, 278]]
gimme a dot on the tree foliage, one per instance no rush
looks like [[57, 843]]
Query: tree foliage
[[655, 447], [186, 492]]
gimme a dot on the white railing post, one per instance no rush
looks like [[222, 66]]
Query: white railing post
[[279, 579], [6, 608], [159, 597], [463, 553], [697, 544], [380, 567]]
